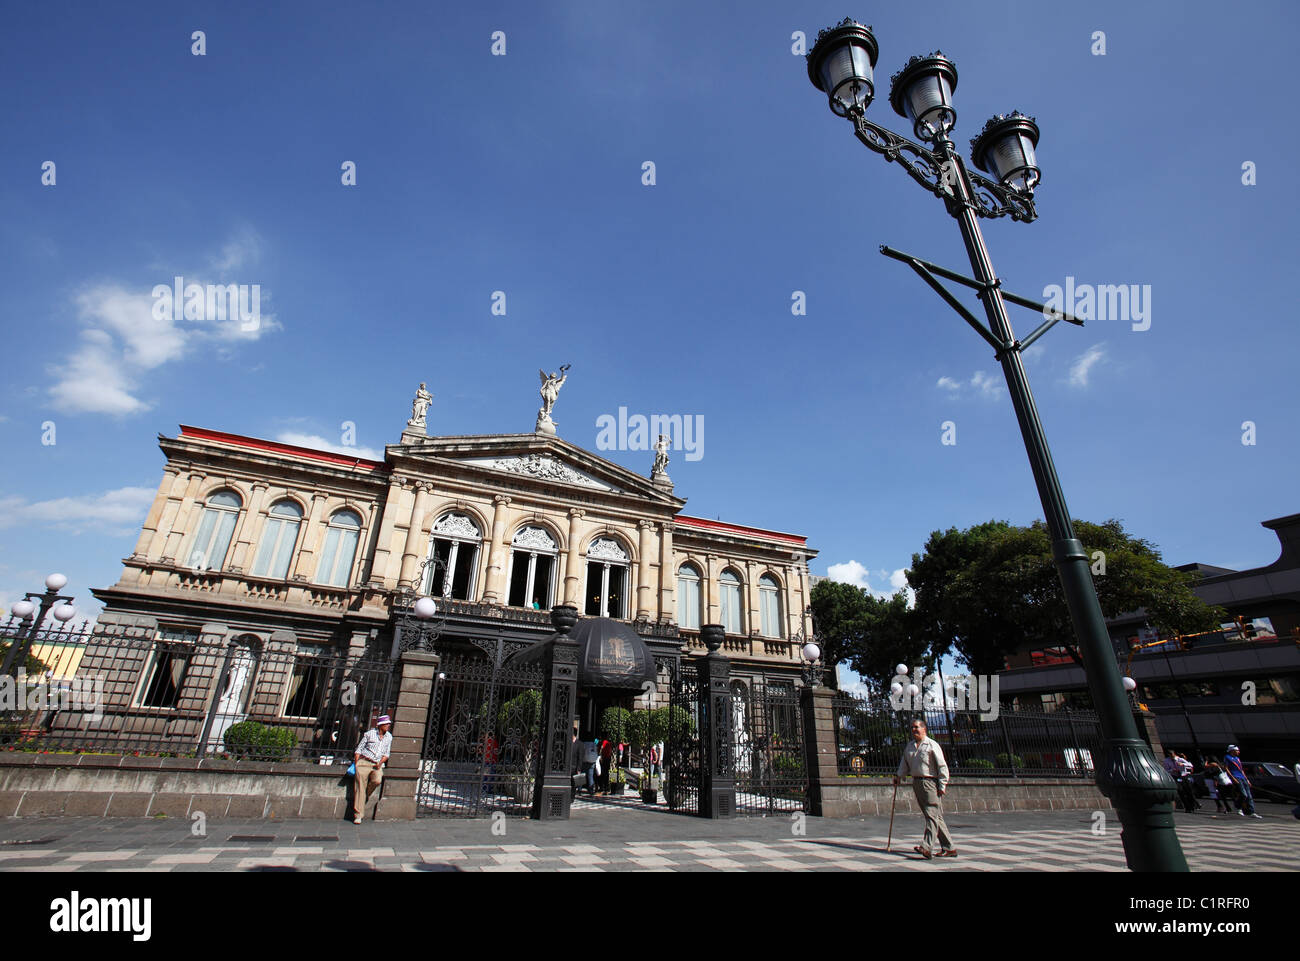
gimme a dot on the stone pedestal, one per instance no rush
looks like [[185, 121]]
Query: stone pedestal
[[401, 786], [821, 752]]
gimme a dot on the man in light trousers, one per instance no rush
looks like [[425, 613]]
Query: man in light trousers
[[370, 757], [923, 760]]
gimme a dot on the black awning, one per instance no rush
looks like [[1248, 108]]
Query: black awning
[[611, 655]]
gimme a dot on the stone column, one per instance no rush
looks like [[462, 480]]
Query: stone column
[[401, 786], [415, 547], [381, 570], [821, 752], [717, 745], [643, 585], [667, 589], [573, 565], [306, 563], [150, 528], [553, 789], [250, 528], [753, 623], [171, 506], [494, 590], [181, 519], [712, 611]]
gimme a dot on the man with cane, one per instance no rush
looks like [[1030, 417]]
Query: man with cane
[[923, 760]]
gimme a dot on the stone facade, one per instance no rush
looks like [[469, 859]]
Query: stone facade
[[252, 535]]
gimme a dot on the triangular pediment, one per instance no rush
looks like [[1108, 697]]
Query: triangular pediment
[[549, 460]]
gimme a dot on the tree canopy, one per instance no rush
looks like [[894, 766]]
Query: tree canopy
[[992, 589]]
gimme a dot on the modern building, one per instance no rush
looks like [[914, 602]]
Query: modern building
[[1239, 684], [282, 549]]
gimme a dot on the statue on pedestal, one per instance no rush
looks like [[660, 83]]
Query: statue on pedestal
[[550, 389], [659, 472], [420, 407]]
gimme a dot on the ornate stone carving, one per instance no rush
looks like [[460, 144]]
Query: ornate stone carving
[[542, 466], [607, 549], [456, 525], [549, 390], [535, 538]]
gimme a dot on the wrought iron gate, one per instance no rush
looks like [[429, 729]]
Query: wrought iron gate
[[683, 766], [482, 741], [767, 728]]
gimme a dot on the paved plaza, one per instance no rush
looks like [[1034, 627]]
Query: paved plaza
[[608, 837]]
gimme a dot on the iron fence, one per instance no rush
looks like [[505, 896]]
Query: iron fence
[[870, 736], [767, 728], [177, 695]]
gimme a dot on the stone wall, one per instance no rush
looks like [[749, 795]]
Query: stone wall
[[110, 786], [847, 797]]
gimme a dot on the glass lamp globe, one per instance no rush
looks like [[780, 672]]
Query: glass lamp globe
[[23, 609], [841, 65], [55, 582], [922, 92], [811, 652], [900, 669], [425, 608], [1005, 149], [64, 612], [1130, 684]]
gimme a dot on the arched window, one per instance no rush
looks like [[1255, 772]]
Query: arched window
[[769, 606], [276, 550], [340, 549], [215, 527], [688, 597], [532, 566], [607, 570], [729, 602], [454, 549]]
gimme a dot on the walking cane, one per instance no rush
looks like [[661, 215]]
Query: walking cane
[[890, 840]]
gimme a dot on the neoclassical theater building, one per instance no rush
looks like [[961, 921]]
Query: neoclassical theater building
[[275, 545]]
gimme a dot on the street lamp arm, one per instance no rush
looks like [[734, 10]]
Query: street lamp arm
[[937, 175]]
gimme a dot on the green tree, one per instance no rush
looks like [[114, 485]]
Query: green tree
[[992, 589], [869, 633]]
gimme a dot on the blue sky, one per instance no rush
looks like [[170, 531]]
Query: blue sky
[[523, 174]]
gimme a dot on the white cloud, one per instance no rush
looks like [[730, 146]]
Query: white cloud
[[122, 340], [1082, 367], [851, 572], [117, 511], [981, 384], [316, 442]]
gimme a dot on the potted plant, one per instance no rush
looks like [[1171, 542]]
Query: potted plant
[[643, 731], [613, 727]]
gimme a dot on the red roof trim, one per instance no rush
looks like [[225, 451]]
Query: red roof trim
[[719, 526], [254, 443]]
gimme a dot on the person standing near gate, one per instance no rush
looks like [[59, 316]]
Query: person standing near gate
[[1245, 800], [923, 760], [370, 757]]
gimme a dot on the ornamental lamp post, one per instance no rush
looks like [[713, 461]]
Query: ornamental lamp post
[[841, 64], [31, 616]]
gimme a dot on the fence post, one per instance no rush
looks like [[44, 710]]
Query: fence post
[[717, 744], [1006, 741], [820, 744], [1074, 739], [553, 790], [399, 800]]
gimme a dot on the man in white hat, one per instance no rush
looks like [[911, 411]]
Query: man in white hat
[[370, 757], [1246, 800], [923, 760]]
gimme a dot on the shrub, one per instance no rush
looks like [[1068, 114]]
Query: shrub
[[1016, 761], [252, 740], [982, 763], [614, 724]]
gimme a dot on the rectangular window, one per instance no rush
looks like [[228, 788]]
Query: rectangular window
[[165, 676], [771, 623], [541, 598], [617, 591], [688, 603], [307, 686], [595, 574], [519, 580], [462, 579], [731, 608]]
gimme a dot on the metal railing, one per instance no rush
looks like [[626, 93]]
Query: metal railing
[[178, 695], [870, 737]]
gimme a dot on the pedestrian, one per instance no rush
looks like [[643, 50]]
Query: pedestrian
[[1183, 775], [1246, 800], [654, 759], [606, 761], [370, 757], [1213, 774], [923, 760], [590, 760], [575, 762], [491, 754]]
